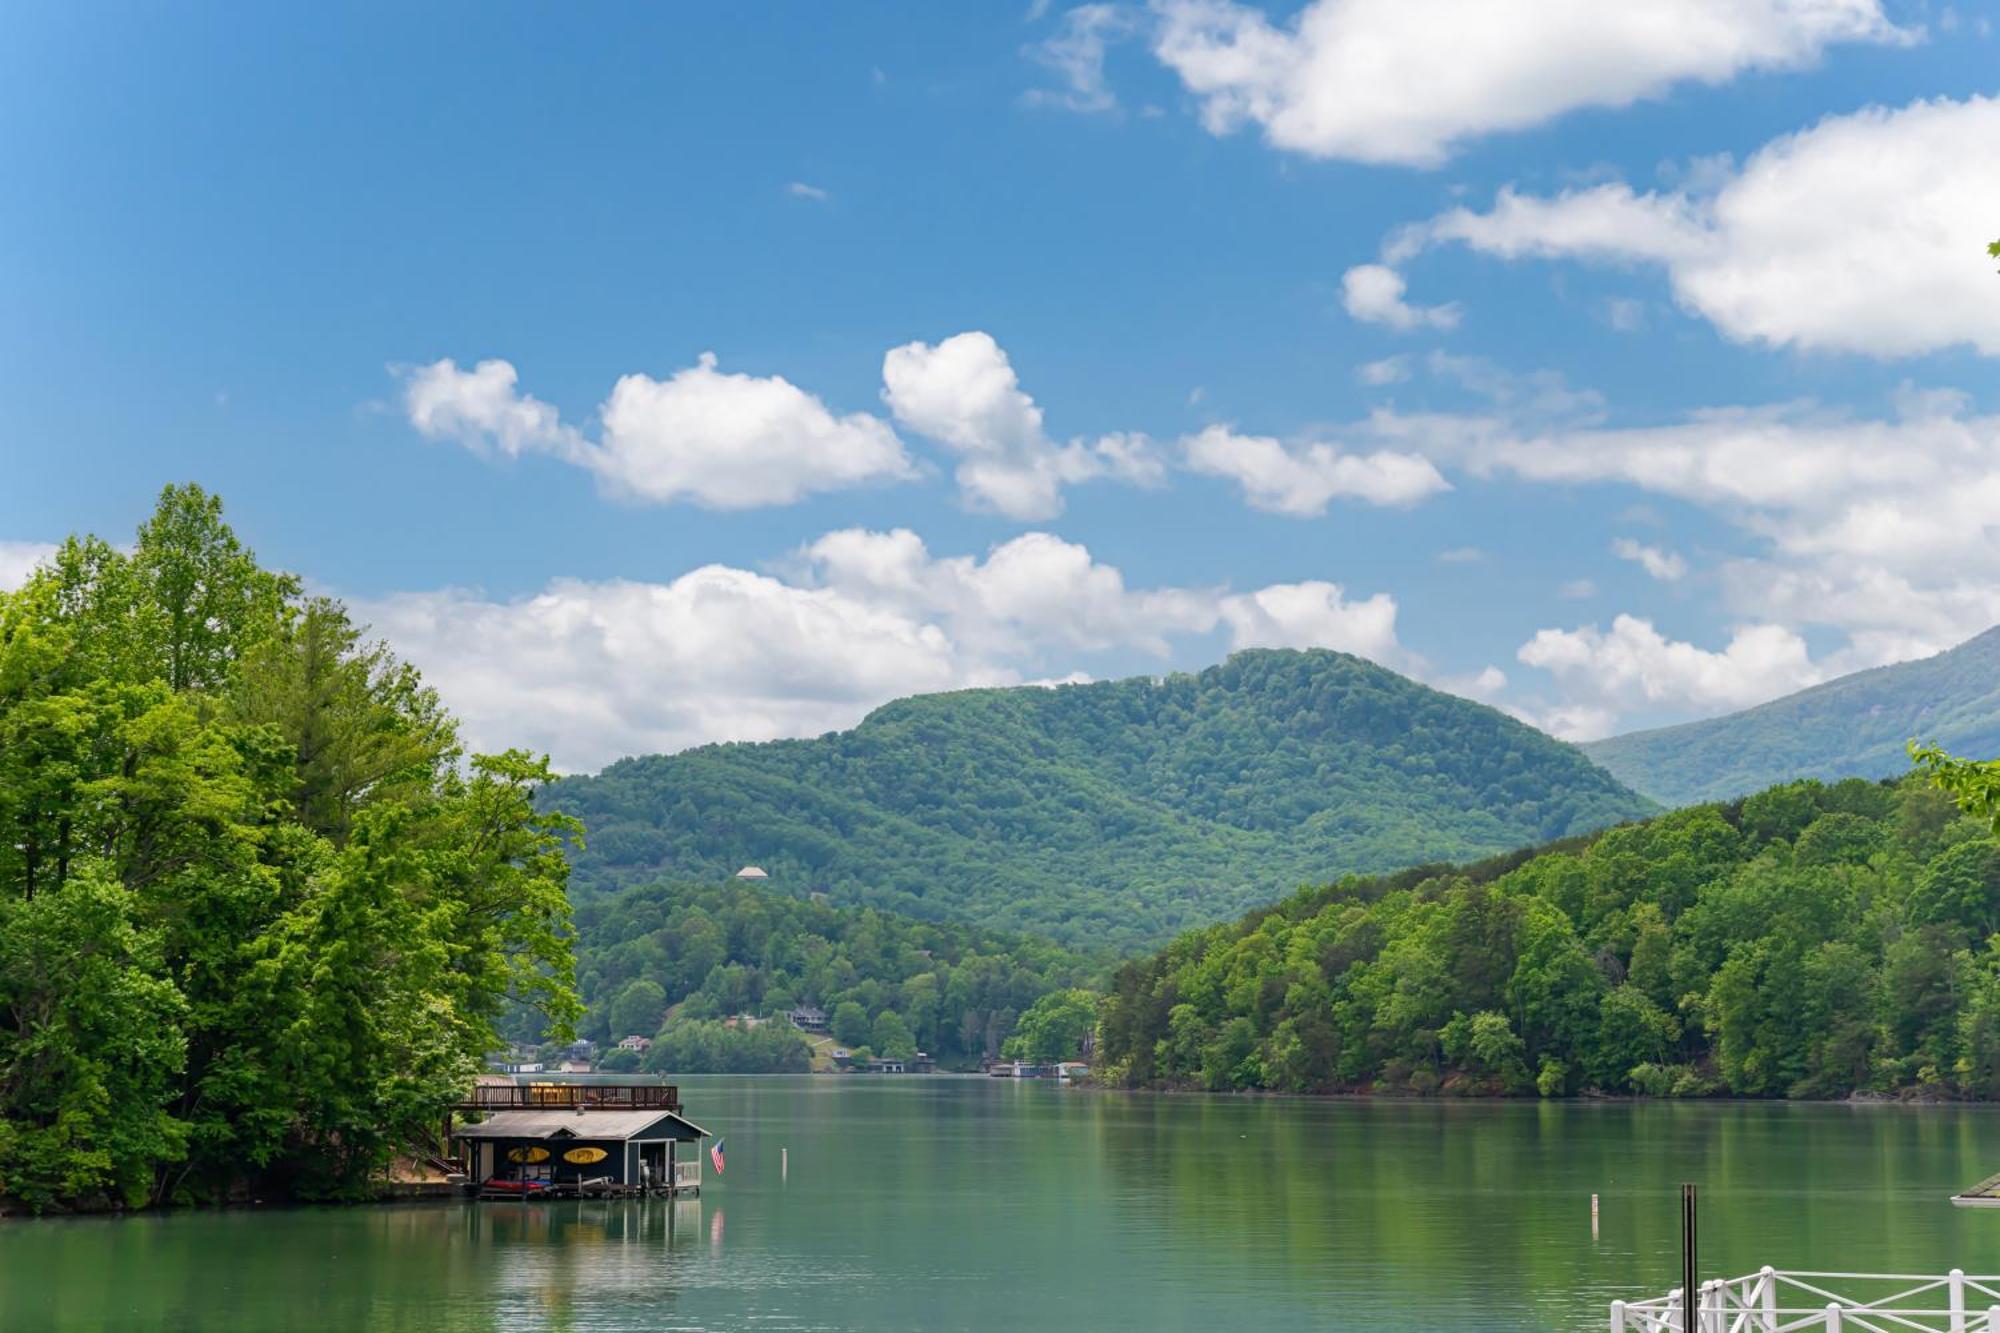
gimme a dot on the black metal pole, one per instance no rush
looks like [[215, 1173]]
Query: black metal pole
[[1688, 1291]]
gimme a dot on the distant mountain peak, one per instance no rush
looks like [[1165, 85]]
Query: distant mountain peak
[[1854, 726], [1106, 812]]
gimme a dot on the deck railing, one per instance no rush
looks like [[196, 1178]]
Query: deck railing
[[687, 1173], [1771, 1301], [573, 1097]]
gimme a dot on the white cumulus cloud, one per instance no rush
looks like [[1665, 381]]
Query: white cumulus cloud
[[1373, 294], [1314, 614], [1032, 592], [1885, 529], [1633, 665], [483, 408], [591, 671], [1408, 81], [1302, 479], [963, 393], [736, 441], [728, 441], [1662, 564], [1865, 233]]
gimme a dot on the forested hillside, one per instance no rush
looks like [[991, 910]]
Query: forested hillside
[[260, 917], [1105, 814], [1810, 941], [890, 983], [1856, 726]]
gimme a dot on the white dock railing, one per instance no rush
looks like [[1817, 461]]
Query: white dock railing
[[1771, 1301], [687, 1173]]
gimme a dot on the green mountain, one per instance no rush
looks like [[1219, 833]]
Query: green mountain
[[1856, 726], [1107, 814], [1808, 941]]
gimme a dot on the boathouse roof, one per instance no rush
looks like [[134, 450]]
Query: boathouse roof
[[595, 1125]]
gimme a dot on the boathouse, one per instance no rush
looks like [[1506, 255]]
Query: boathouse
[[562, 1139]]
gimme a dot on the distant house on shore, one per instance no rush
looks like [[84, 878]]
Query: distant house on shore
[[808, 1018], [636, 1043], [752, 872], [920, 1063], [573, 1067]]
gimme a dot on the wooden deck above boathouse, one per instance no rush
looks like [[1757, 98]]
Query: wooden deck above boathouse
[[512, 1096], [564, 1140]]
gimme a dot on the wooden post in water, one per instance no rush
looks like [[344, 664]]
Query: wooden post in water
[[1689, 1288]]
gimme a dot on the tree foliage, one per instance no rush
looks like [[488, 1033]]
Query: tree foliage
[[259, 918], [1054, 1027], [707, 1046], [1112, 813], [1808, 941], [702, 953]]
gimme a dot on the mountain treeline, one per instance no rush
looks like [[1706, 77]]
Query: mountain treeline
[[1113, 813], [1856, 726], [1808, 941], [890, 984], [259, 916]]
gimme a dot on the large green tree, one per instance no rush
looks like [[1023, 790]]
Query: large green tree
[[1054, 1027], [259, 916]]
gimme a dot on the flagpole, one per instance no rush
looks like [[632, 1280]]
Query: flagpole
[[1688, 1296]]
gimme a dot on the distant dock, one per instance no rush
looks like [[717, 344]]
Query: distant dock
[[1986, 1194]]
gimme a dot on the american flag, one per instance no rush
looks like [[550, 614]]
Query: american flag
[[715, 1155]]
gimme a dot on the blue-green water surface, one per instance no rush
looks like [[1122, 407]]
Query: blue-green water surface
[[966, 1203]]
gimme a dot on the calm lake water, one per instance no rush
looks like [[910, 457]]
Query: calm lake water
[[960, 1203]]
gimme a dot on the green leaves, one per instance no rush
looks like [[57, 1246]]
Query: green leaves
[[709, 952], [1053, 1028], [256, 925], [1108, 814], [91, 1048], [1973, 783], [1811, 940], [202, 599]]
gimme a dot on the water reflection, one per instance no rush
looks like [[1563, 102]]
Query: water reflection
[[981, 1204]]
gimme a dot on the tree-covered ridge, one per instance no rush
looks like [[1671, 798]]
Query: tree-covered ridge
[[1109, 813], [1809, 941], [1856, 726], [889, 983], [259, 918]]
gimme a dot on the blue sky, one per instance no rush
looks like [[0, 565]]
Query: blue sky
[[1615, 365]]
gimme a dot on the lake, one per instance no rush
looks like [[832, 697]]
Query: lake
[[971, 1203]]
